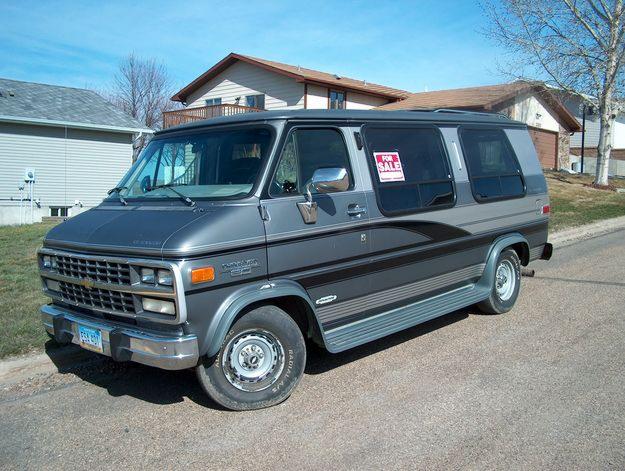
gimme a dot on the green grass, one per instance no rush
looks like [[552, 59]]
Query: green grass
[[573, 203], [20, 289]]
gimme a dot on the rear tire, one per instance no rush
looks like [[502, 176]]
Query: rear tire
[[506, 284], [260, 362]]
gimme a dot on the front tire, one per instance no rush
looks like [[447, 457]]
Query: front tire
[[506, 284], [260, 362]]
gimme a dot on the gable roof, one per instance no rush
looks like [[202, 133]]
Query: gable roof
[[485, 98], [299, 74], [38, 103]]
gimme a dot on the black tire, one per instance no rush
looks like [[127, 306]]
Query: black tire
[[495, 303], [264, 333]]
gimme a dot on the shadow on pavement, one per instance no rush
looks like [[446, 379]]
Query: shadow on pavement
[[169, 387]]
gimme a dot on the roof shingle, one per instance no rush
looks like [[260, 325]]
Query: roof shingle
[[37, 101]]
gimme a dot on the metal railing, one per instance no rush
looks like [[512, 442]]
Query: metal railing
[[189, 115]]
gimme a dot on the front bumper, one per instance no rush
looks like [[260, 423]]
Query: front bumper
[[124, 343]]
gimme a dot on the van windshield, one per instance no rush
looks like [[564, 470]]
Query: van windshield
[[215, 165]]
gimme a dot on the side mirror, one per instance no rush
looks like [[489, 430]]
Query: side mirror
[[330, 180], [324, 180]]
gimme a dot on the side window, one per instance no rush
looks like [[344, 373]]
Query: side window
[[493, 168], [409, 169], [305, 151]]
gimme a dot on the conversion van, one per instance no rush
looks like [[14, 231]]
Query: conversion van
[[234, 242]]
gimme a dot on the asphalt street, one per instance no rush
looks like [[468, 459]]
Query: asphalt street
[[540, 387]]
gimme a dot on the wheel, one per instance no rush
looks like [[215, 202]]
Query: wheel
[[506, 284], [260, 362]]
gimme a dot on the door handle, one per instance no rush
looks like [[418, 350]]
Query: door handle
[[356, 211]]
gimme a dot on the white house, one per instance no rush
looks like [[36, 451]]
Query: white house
[[71, 143], [243, 83], [591, 138]]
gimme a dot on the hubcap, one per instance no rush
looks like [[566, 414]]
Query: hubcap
[[505, 280], [253, 360]]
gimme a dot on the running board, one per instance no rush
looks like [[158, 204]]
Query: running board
[[386, 323]]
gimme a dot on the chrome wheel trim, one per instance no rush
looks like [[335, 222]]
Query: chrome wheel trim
[[253, 360], [505, 280]]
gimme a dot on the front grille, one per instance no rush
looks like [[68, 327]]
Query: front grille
[[97, 298], [97, 270]]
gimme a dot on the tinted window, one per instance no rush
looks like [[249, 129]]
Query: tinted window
[[305, 151], [409, 169], [493, 167]]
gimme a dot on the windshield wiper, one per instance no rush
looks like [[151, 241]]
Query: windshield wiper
[[170, 186], [117, 190]]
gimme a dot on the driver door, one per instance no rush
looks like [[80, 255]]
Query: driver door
[[328, 257]]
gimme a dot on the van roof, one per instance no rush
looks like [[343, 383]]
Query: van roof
[[430, 116]]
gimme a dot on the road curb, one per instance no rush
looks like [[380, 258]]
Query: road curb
[[588, 231], [65, 358]]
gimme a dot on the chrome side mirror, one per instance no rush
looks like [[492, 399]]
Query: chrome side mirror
[[330, 180], [324, 180]]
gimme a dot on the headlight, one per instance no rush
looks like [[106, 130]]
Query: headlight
[[53, 285], [49, 261], [157, 305], [165, 277], [147, 275]]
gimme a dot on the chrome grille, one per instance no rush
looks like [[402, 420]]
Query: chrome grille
[[97, 270], [97, 298]]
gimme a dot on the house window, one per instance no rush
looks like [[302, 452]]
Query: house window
[[493, 168], [212, 101], [409, 169], [255, 101], [336, 100], [59, 211]]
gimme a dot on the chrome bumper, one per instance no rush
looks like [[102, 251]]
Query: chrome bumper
[[124, 343]]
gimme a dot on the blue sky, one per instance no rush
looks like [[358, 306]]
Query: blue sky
[[413, 45]]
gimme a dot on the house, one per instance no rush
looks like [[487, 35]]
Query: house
[[550, 123], [240, 83], [576, 106], [66, 144]]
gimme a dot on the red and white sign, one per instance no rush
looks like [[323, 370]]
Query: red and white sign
[[389, 167]]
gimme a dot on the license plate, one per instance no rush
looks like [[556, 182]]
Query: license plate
[[89, 338]]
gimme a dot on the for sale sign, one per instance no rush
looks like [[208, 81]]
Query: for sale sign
[[389, 167]]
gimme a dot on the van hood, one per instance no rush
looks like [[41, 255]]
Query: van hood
[[170, 231]]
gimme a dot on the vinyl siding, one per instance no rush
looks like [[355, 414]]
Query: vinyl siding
[[317, 98], [530, 110], [358, 101], [242, 79], [81, 167]]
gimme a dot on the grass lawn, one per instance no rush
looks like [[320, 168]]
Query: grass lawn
[[574, 204], [20, 289]]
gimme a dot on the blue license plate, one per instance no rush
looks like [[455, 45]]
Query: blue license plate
[[90, 338]]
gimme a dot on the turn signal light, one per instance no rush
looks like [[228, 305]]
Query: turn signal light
[[202, 275]]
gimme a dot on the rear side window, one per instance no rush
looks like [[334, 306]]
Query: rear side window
[[493, 168], [409, 169]]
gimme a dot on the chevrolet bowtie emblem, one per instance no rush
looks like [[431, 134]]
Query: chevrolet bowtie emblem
[[87, 283]]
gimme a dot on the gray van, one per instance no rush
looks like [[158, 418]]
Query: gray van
[[233, 242]]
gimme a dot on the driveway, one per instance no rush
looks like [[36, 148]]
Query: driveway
[[540, 387]]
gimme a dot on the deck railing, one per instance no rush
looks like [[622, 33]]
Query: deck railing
[[189, 115]]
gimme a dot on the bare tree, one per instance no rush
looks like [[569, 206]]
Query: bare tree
[[578, 44], [142, 88]]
